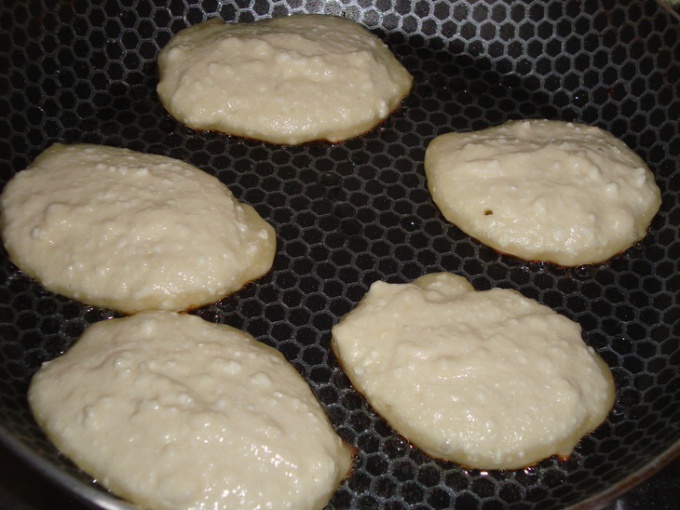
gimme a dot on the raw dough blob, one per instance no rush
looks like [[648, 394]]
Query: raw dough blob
[[285, 80], [489, 379], [131, 231], [173, 412], [544, 190]]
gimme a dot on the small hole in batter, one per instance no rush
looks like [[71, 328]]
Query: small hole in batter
[[488, 212]]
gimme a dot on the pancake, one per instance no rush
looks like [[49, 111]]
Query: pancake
[[115, 228], [489, 379], [544, 190], [172, 412], [286, 80]]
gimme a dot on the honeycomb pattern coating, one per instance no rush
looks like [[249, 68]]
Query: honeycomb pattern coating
[[356, 212]]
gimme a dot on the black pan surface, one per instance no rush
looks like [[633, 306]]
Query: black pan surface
[[356, 212]]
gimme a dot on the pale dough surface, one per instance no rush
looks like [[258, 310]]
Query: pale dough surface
[[173, 412], [544, 190], [131, 231], [285, 80], [489, 379]]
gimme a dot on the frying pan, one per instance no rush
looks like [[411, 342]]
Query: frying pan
[[356, 212]]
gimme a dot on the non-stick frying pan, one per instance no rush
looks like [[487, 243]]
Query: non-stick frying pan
[[356, 212]]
